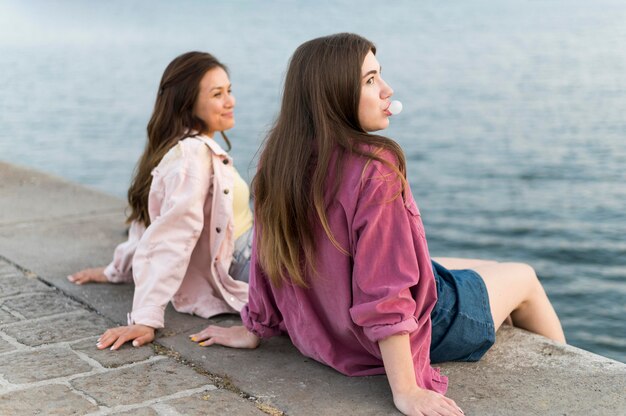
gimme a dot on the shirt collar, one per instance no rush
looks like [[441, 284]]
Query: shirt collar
[[213, 145]]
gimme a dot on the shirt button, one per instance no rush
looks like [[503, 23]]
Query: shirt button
[[226, 191], [218, 229], [225, 161]]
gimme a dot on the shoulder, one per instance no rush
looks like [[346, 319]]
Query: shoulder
[[383, 165], [380, 179], [189, 156]]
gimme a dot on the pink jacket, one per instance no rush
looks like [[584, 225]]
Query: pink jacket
[[185, 253], [385, 287]]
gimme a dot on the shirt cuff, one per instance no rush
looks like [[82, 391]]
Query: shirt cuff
[[258, 329], [377, 332], [152, 316], [113, 275]]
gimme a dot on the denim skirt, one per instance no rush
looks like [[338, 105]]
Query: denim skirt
[[462, 325]]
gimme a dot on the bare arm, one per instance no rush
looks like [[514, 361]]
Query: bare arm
[[407, 396]]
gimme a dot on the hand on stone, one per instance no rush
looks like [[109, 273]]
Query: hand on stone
[[423, 402], [88, 275], [234, 337], [138, 334]]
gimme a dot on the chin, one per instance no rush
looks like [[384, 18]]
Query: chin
[[381, 126], [228, 126]]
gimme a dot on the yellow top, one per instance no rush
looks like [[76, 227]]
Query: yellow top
[[242, 213]]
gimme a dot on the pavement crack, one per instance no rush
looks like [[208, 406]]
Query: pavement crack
[[221, 382]]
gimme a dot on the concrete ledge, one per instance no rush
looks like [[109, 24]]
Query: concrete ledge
[[51, 228]]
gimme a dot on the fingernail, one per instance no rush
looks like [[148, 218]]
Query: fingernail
[[135, 344], [193, 339], [113, 348]]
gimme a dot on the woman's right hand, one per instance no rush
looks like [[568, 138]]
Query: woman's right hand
[[138, 334], [88, 275], [235, 337], [424, 402]]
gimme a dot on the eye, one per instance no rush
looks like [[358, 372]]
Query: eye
[[370, 81], [217, 94]]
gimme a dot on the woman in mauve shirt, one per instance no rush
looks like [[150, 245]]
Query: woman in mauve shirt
[[190, 222], [340, 261]]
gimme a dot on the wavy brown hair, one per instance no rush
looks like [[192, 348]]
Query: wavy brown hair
[[318, 116], [172, 120]]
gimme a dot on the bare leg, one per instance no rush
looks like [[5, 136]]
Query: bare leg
[[515, 290], [453, 263]]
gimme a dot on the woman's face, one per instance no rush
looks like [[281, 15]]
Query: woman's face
[[215, 103], [375, 94]]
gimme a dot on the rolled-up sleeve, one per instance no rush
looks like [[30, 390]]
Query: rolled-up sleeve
[[385, 263], [164, 251], [120, 269], [261, 315]]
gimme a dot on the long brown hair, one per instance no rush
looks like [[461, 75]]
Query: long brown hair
[[318, 116], [172, 120]]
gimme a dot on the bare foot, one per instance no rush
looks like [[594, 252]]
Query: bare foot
[[95, 275]]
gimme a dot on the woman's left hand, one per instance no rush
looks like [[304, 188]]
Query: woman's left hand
[[234, 337], [138, 334]]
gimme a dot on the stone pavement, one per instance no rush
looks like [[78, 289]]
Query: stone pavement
[[48, 329], [49, 363]]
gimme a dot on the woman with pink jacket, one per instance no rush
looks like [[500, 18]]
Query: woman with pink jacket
[[190, 221]]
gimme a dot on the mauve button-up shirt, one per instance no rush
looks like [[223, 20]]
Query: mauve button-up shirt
[[385, 287], [185, 253]]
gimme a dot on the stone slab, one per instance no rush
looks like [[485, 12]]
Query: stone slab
[[67, 247], [279, 375], [520, 375], [20, 284], [525, 374], [5, 346], [141, 411], [29, 196], [40, 304], [64, 245], [126, 354], [53, 399], [214, 402], [7, 318], [43, 364], [52, 330], [7, 270], [139, 383]]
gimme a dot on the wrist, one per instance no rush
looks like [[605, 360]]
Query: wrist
[[405, 389], [254, 340], [147, 327]]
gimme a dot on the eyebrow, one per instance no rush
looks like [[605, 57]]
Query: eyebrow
[[221, 87], [372, 72]]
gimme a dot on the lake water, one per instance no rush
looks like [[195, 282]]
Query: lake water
[[514, 124]]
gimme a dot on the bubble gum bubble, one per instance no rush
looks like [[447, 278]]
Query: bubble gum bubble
[[395, 107]]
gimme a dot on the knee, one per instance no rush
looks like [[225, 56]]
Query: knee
[[526, 276], [529, 281]]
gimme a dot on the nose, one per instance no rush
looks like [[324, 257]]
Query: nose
[[386, 91], [230, 101]]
